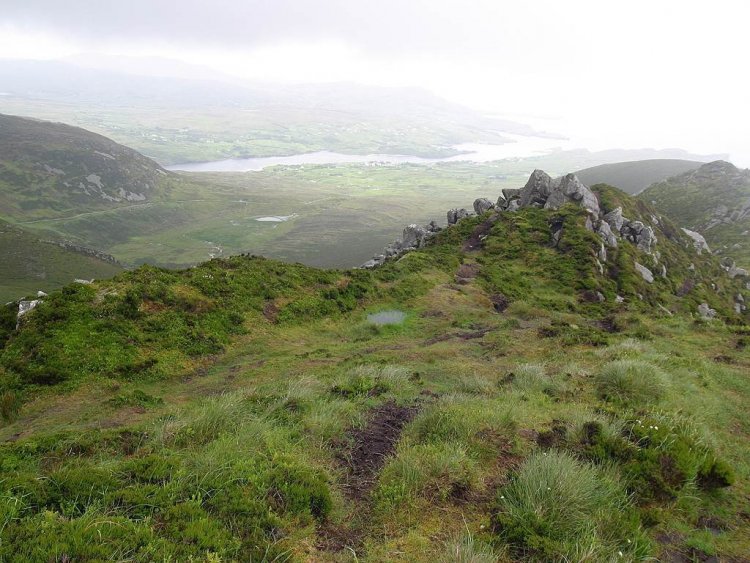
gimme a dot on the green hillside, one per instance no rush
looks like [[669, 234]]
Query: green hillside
[[49, 169], [634, 177], [29, 264], [538, 401], [713, 200]]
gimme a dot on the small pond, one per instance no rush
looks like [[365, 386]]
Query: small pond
[[392, 317]]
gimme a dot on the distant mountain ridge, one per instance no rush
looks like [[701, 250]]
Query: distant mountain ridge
[[634, 177]]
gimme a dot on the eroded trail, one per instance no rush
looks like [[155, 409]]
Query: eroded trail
[[368, 451]]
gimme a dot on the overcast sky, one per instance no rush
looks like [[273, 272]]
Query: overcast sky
[[661, 73]]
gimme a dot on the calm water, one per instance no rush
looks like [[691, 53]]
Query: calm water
[[387, 318], [519, 146]]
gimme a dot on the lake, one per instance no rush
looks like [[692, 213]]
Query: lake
[[519, 146]]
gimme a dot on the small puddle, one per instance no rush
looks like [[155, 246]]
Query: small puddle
[[387, 318]]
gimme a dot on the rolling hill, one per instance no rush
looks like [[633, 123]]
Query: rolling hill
[[561, 380], [634, 177], [713, 200]]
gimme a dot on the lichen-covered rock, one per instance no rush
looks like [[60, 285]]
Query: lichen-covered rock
[[569, 189], [482, 205], [645, 273]]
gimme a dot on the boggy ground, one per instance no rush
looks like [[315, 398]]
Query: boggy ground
[[463, 434]]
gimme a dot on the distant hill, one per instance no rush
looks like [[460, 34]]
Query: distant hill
[[713, 200], [179, 119], [50, 168], [634, 177], [29, 263]]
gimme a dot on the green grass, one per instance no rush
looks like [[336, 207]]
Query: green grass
[[190, 418]]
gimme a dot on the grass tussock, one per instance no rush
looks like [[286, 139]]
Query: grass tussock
[[559, 509], [631, 382]]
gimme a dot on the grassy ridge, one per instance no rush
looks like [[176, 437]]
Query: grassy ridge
[[210, 413]]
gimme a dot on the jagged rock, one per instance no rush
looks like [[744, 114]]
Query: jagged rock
[[615, 219], [41, 294], [513, 205], [699, 242], [619, 299], [639, 234], [414, 236], [605, 231], [738, 308], [455, 215], [739, 298], [537, 190], [569, 189], [663, 271], [706, 312], [600, 267], [482, 205], [646, 274], [433, 227], [589, 224], [84, 282]]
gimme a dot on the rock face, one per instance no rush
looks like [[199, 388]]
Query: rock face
[[482, 205], [646, 274], [733, 271], [615, 219], [699, 242]]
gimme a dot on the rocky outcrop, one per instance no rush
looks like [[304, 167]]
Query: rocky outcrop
[[483, 205], [67, 245], [569, 189], [537, 190], [414, 236], [699, 242]]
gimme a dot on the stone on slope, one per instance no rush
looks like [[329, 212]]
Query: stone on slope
[[537, 190], [646, 274], [699, 242]]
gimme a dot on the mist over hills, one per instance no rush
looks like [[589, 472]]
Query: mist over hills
[[634, 177]]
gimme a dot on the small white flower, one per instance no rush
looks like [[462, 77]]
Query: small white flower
[[619, 553], [628, 541], [656, 428]]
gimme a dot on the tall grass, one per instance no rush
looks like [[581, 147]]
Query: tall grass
[[559, 509], [631, 382]]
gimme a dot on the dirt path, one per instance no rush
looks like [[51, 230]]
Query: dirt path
[[370, 448]]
